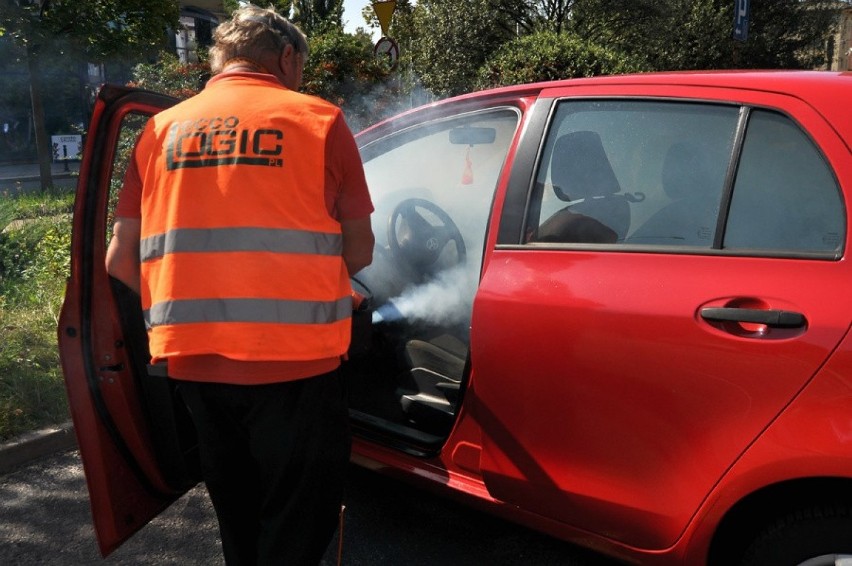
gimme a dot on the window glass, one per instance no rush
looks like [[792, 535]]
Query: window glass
[[433, 186], [453, 163], [785, 197], [634, 172]]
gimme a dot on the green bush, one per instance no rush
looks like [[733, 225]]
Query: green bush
[[169, 76], [547, 56], [343, 70], [35, 239]]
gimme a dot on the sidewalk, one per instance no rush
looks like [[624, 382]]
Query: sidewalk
[[34, 445]]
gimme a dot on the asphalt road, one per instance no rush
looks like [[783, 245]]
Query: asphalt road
[[44, 519]]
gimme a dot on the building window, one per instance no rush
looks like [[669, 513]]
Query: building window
[[195, 32]]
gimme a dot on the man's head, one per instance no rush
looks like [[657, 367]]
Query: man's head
[[263, 38]]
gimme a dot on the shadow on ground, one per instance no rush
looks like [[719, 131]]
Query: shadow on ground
[[44, 519]]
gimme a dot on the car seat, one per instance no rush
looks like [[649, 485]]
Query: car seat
[[688, 179], [436, 368], [582, 174]]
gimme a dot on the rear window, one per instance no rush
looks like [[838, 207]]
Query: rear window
[[785, 196]]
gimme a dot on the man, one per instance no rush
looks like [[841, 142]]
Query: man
[[243, 213]]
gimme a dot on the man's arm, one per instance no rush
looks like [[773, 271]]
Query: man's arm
[[122, 257], [358, 242]]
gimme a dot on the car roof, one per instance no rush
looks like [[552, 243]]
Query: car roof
[[826, 91]]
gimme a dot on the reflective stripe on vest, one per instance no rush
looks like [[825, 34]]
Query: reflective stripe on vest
[[248, 310], [273, 240]]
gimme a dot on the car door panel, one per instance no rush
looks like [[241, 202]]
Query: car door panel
[[102, 348], [623, 407], [616, 386]]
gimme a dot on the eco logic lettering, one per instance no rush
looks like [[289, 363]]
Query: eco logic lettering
[[211, 142]]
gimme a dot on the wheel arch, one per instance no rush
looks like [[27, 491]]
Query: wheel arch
[[754, 512]]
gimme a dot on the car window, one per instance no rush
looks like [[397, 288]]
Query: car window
[[432, 186], [649, 173], [454, 163], [785, 196], [635, 172]]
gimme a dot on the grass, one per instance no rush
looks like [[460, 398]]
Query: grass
[[35, 236]]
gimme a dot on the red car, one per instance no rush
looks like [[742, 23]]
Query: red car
[[613, 309]]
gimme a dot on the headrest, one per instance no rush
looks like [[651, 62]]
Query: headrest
[[579, 167], [686, 171]]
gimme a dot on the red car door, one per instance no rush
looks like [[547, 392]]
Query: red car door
[[615, 383], [137, 452]]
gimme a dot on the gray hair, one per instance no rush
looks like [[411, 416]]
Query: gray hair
[[256, 34]]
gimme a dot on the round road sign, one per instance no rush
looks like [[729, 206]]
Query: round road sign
[[386, 47]]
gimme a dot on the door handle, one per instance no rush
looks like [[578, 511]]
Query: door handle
[[769, 317]]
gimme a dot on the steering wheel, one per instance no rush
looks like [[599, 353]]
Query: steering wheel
[[416, 239]]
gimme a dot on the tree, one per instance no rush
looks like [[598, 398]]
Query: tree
[[696, 34], [62, 94], [318, 16], [283, 7], [93, 31], [663, 35], [783, 32], [630, 26], [546, 56], [343, 70], [454, 38], [528, 16]]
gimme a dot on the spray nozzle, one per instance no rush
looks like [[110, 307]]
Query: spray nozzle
[[387, 313]]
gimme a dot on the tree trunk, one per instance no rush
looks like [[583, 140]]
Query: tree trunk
[[43, 148]]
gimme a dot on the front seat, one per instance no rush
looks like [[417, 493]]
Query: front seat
[[436, 369], [581, 173]]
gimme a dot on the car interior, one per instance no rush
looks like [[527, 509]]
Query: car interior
[[632, 172], [581, 175], [432, 188], [688, 180]]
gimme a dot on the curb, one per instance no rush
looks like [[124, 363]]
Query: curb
[[33, 178], [13, 182], [34, 445]]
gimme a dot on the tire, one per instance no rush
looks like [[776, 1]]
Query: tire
[[817, 536]]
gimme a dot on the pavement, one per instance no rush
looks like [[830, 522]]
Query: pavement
[[20, 177], [45, 520], [32, 446]]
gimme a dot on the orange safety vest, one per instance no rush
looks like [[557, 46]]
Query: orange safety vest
[[240, 256]]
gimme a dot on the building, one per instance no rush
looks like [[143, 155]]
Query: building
[[70, 87], [197, 22], [840, 44]]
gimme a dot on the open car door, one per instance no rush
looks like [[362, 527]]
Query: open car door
[[136, 442]]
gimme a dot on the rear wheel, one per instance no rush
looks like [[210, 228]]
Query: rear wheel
[[817, 536]]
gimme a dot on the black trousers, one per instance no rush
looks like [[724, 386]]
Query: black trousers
[[274, 459]]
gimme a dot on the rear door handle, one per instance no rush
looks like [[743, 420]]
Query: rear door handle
[[769, 317]]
